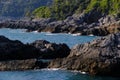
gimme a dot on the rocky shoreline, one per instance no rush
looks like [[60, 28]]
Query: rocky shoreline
[[99, 57], [82, 24]]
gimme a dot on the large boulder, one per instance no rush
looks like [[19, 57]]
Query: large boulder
[[99, 57], [49, 50], [16, 50]]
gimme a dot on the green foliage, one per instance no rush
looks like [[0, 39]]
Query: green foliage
[[114, 6], [93, 4], [105, 6], [43, 12], [64, 8]]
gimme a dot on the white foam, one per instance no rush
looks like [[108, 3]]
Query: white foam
[[35, 31], [79, 72], [50, 34], [83, 72], [51, 69], [91, 35], [77, 34]]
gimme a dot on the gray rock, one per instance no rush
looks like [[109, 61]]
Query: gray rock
[[11, 65], [99, 57]]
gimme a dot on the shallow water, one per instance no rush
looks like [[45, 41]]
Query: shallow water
[[69, 39]]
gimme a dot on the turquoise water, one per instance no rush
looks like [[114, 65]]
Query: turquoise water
[[25, 37], [47, 74]]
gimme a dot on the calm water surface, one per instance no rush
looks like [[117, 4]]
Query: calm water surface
[[25, 37], [70, 40]]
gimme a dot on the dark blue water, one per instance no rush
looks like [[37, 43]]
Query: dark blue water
[[47, 74]]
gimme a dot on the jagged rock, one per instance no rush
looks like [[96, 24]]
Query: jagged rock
[[13, 54], [108, 20], [99, 57], [39, 49], [85, 24], [49, 50]]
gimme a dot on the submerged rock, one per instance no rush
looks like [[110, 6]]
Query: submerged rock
[[99, 57]]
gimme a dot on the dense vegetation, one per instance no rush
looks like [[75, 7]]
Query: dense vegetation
[[61, 9], [105, 6], [20, 8], [44, 11]]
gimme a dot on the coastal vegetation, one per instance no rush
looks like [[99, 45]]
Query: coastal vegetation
[[60, 9], [42, 12]]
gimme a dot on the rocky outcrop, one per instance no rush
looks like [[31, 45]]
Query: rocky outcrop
[[16, 50], [85, 24], [49, 50], [15, 55], [102, 30], [39, 49], [27, 64], [99, 57]]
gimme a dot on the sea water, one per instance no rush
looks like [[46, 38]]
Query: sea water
[[28, 37]]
